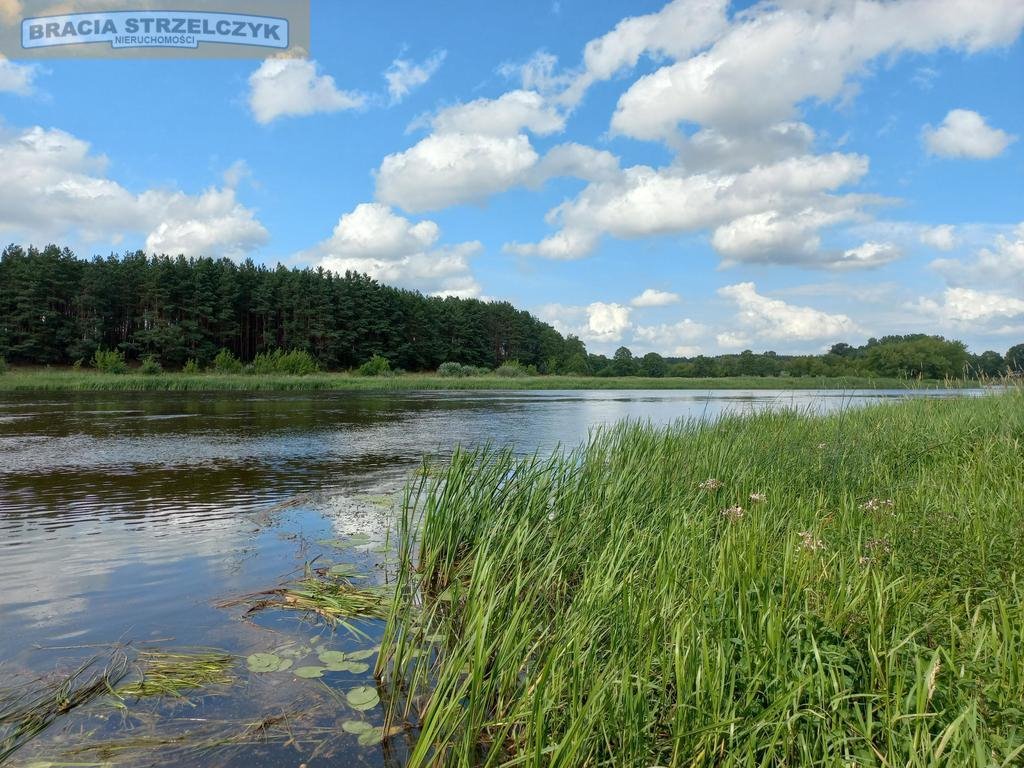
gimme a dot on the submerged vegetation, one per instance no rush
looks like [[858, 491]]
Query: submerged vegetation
[[326, 593], [28, 711], [772, 590], [175, 673]]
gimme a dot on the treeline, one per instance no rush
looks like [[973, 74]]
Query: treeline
[[59, 309], [912, 356], [172, 312]]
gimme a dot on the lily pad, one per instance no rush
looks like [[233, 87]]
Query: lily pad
[[371, 737], [362, 698], [356, 727], [355, 667], [343, 569], [309, 672], [360, 655], [285, 664], [263, 662], [332, 657]]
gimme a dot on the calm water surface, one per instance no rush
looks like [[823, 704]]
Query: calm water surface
[[127, 517]]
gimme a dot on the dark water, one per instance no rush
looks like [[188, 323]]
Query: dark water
[[127, 517]]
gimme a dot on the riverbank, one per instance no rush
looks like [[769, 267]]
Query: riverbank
[[92, 381], [772, 590]]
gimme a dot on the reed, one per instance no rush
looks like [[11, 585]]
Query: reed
[[774, 590], [173, 673]]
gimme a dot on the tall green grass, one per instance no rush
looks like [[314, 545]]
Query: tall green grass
[[636, 603], [95, 381]]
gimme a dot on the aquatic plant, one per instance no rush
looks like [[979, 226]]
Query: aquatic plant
[[175, 672], [27, 711], [597, 608], [330, 597]]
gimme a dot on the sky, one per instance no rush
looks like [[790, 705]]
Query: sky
[[695, 177]]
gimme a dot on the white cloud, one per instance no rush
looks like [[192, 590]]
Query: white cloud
[[942, 237], [732, 340], [578, 161], [775, 320], [776, 56], [374, 240], [1001, 266], [404, 75], [599, 322], [286, 87], [652, 297], [643, 201], [16, 78], [964, 133], [670, 338], [53, 188], [452, 168], [507, 115], [967, 307]]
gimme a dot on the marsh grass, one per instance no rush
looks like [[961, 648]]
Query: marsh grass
[[27, 711], [23, 379], [611, 607], [326, 593], [175, 673]]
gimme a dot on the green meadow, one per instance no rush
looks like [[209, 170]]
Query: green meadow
[[775, 590]]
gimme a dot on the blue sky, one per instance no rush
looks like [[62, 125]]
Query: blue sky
[[688, 177]]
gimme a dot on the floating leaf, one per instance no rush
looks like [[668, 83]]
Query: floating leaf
[[332, 657], [285, 664], [371, 737], [356, 727], [343, 569], [362, 698], [360, 655], [263, 662], [355, 667], [309, 672], [336, 543]]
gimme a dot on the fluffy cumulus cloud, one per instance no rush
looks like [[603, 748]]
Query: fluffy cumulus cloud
[[964, 133], [652, 297], [776, 56], [1000, 265], [53, 188], [673, 338], [770, 213], [599, 322], [405, 75], [966, 308], [771, 319], [474, 150], [373, 239], [290, 87]]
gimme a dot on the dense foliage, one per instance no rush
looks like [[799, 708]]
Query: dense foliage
[[207, 314], [56, 308]]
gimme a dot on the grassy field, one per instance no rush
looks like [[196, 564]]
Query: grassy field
[[84, 381], [778, 590]]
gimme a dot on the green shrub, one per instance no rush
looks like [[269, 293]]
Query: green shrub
[[450, 370], [375, 366], [296, 362], [191, 366], [109, 361], [225, 362], [77, 365], [511, 369], [3, 365], [151, 366]]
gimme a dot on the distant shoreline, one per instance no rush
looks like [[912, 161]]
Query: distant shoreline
[[56, 380]]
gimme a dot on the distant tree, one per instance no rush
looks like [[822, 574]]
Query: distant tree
[[987, 364], [653, 365], [1015, 358], [623, 363]]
